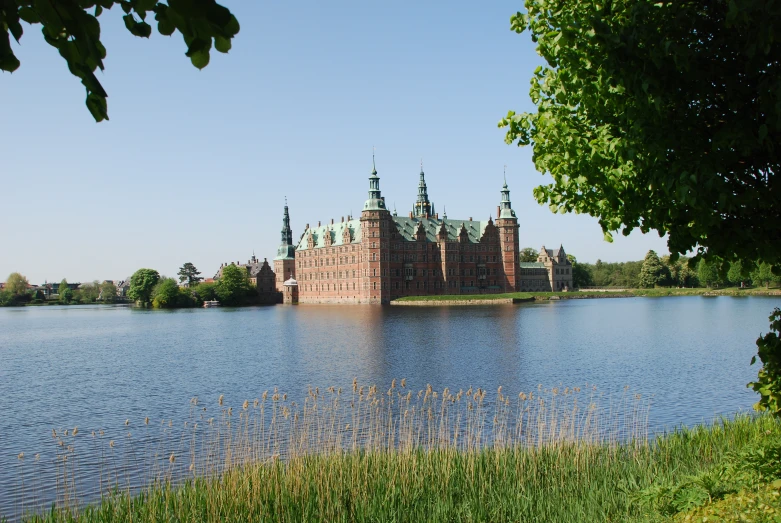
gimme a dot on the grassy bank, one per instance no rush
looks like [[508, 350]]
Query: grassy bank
[[658, 292], [567, 482], [558, 454]]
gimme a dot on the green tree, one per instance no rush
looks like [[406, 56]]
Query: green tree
[[528, 254], [681, 274], [763, 275], [652, 271], [17, 284], [233, 287], [142, 283], [707, 273], [87, 292], [168, 295], [735, 273], [581, 276], [64, 292], [73, 28], [188, 273], [108, 292], [205, 291], [660, 115]]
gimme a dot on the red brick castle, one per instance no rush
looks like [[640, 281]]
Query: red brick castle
[[382, 256]]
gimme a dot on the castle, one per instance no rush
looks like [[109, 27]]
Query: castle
[[382, 256]]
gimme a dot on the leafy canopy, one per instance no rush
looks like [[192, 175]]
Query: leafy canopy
[[72, 27], [233, 287], [660, 115], [16, 284], [652, 271], [142, 283]]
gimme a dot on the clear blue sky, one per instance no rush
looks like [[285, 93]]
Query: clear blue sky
[[194, 165]]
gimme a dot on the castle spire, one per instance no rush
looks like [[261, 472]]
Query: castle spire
[[375, 201], [286, 248], [505, 206], [423, 206]]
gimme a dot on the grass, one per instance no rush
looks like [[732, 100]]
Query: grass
[[656, 292], [400, 455]]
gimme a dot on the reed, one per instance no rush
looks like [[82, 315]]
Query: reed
[[370, 454]]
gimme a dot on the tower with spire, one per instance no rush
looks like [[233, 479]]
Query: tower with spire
[[423, 208], [507, 227], [376, 223], [285, 261]]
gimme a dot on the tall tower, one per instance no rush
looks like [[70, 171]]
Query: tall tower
[[423, 207], [285, 261], [375, 233], [507, 225]]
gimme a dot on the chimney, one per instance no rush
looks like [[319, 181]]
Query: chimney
[[410, 214], [498, 211], [470, 218], [318, 223], [332, 221], [342, 219], [307, 227], [436, 216]]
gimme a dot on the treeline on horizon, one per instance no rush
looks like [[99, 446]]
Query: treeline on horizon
[[655, 271], [147, 288]]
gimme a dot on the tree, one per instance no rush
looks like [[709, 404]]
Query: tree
[[72, 27], [108, 292], [205, 291], [168, 295], [707, 273], [581, 277], [528, 254], [142, 283], [735, 273], [87, 292], [233, 287], [189, 273], [660, 115], [653, 271], [763, 275], [64, 292], [17, 284], [681, 274]]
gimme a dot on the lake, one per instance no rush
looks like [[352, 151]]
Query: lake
[[96, 366]]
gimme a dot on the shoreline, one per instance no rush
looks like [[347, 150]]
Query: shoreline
[[526, 297]]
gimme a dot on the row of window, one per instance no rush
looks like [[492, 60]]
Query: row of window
[[328, 287]]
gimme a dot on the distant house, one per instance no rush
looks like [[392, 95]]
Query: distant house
[[122, 287]]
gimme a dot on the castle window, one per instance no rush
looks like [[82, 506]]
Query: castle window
[[374, 285]]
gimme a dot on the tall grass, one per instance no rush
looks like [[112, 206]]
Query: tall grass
[[365, 454]]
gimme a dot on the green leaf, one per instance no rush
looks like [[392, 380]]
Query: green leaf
[[97, 107], [166, 27], [200, 59], [223, 45], [29, 15]]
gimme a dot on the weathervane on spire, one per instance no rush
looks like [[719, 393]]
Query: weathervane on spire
[[374, 166]]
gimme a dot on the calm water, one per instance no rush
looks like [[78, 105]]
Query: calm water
[[94, 367]]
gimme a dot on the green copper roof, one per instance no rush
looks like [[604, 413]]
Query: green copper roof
[[336, 231], [408, 228]]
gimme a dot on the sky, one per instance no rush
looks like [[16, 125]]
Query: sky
[[194, 166]]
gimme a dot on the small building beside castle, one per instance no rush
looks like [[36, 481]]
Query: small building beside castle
[[381, 256], [260, 276]]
